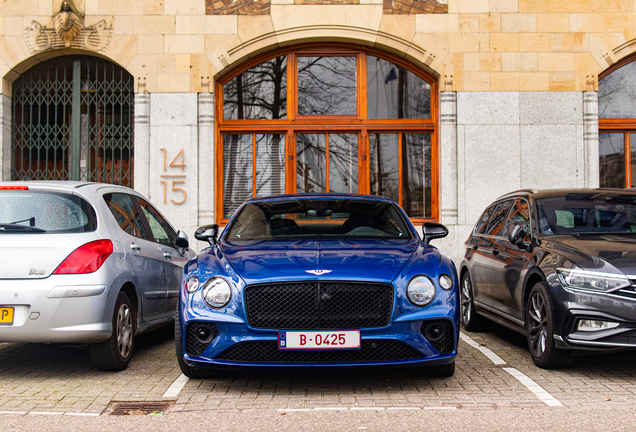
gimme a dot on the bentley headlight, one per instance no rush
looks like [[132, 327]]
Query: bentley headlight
[[445, 282], [217, 292], [192, 284], [589, 280], [421, 291]]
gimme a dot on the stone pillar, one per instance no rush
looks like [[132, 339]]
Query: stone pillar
[[448, 172], [5, 137], [142, 143], [207, 160], [590, 138]]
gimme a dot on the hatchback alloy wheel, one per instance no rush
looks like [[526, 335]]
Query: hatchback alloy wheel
[[467, 301], [124, 331]]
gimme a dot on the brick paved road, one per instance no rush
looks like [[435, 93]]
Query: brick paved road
[[62, 379]]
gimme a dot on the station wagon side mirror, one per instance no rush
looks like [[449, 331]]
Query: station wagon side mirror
[[433, 230], [207, 233], [516, 237]]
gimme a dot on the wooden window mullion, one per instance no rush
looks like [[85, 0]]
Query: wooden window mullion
[[253, 165], [400, 179], [327, 162]]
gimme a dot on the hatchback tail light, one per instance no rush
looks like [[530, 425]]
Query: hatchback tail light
[[14, 188], [86, 258]]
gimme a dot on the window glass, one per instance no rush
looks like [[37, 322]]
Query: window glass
[[308, 219], [238, 167], [161, 230], [416, 175], [327, 86], [33, 211], [384, 165], [611, 160], [311, 156], [482, 223], [258, 93], [616, 93], [126, 215], [343, 163], [519, 215], [498, 218], [394, 93]]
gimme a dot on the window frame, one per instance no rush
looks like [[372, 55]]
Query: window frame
[[626, 126], [359, 124]]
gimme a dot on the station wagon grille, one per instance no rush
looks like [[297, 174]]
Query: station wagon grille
[[268, 352], [319, 305]]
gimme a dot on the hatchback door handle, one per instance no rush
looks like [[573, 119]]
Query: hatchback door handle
[[475, 247], [167, 255], [495, 251], [134, 247]]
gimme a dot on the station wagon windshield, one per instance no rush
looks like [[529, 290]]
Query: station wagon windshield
[[587, 213], [319, 218]]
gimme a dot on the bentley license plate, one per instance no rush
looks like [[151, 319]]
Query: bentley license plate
[[6, 316], [300, 340]]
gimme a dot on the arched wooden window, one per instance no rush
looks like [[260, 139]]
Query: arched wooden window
[[333, 118], [617, 125]]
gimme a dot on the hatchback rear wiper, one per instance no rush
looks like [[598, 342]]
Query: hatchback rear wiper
[[30, 220], [17, 227]]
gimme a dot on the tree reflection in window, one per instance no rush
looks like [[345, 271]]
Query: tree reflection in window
[[395, 93], [258, 93], [617, 93], [327, 86]]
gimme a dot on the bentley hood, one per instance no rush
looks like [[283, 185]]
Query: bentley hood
[[603, 252], [341, 259]]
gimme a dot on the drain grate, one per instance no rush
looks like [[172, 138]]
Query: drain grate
[[140, 408]]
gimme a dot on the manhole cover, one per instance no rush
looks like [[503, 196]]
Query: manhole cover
[[141, 408]]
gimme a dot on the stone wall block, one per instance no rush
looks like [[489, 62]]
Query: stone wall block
[[543, 108], [174, 109], [207, 160], [494, 108], [559, 143], [504, 6]]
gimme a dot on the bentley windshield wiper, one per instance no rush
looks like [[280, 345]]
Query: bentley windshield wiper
[[600, 232], [4, 227]]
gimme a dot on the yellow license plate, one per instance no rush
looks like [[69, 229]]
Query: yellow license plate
[[6, 316]]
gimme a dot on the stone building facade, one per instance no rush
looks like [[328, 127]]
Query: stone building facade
[[514, 89]]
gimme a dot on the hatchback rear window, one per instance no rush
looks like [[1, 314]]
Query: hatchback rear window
[[31, 211]]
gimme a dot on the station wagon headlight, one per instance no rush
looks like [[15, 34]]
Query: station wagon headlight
[[421, 291], [217, 292], [589, 280], [192, 284]]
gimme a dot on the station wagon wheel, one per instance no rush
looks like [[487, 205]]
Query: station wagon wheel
[[116, 352], [539, 330], [470, 319]]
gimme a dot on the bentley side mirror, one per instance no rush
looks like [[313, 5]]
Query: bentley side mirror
[[207, 233], [516, 237], [181, 242], [433, 230]]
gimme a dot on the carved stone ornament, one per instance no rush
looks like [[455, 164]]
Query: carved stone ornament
[[68, 31]]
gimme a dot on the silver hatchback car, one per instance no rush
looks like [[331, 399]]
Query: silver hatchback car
[[86, 263]]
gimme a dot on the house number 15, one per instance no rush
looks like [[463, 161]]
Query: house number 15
[[174, 179]]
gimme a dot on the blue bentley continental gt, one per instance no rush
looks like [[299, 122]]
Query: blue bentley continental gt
[[318, 281]]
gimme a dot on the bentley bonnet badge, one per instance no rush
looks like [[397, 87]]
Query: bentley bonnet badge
[[318, 272]]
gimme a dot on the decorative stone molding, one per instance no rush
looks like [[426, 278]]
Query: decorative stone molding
[[5, 137], [590, 138], [68, 31], [142, 143], [415, 6], [448, 159], [237, 7]]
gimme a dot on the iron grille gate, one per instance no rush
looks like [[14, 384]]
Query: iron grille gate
[[73, 120]]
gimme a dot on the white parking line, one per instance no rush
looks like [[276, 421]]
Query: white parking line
[[176, 387], [530, 384], [485, 351], [364, 409], [535, 388]]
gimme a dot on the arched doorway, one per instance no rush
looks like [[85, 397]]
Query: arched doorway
[[72, 119], [334, 118], [617, 125]]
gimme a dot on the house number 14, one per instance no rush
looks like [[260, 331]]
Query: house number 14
[[175, 179]]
